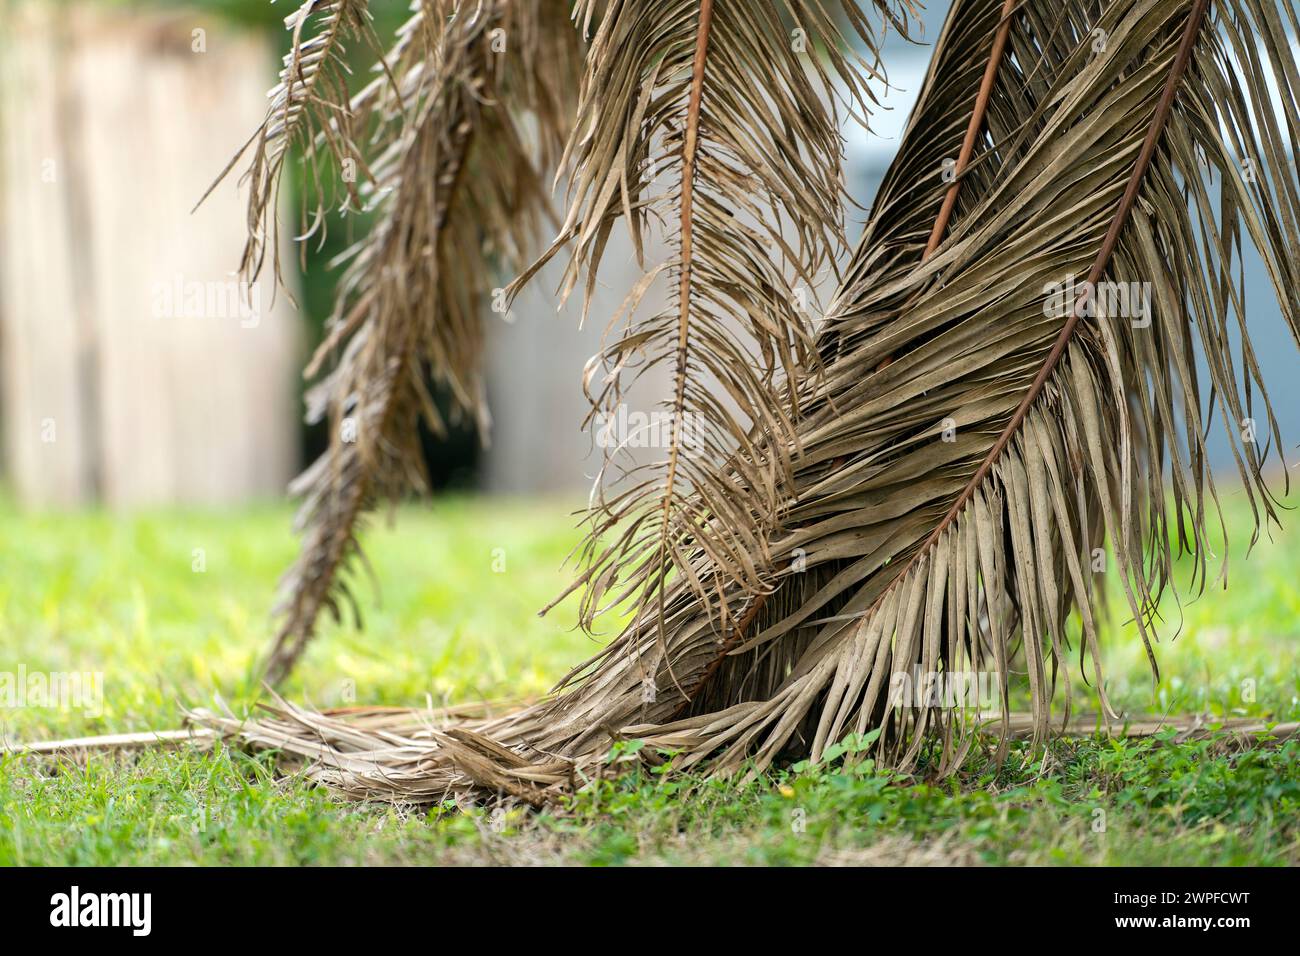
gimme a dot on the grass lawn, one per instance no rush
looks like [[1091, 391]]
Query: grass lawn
[[174, 606]]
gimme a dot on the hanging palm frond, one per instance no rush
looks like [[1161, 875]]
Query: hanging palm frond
[[311, 110], [459, 174], [1005, 408], [1009, 410], [721, 122], [436, 148]]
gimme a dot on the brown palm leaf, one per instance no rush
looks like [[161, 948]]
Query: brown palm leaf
[[974, 438], [977, 430], [443, 158], [311, 109], [720, 122]]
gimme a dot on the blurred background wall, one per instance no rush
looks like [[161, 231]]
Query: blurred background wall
[[128, 374], [135, 368]]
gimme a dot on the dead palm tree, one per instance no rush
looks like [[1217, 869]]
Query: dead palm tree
[[976, 415]]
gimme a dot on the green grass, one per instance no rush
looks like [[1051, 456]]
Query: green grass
[[450, 622]]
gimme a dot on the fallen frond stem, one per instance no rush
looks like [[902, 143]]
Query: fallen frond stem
[[147, 738]]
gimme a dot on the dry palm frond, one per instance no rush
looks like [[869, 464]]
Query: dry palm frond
[[720, 122], [454, 177], [976, 440], [977, 434], [310, 109]]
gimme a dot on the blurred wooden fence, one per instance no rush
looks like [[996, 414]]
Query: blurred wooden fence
[[133, 368]]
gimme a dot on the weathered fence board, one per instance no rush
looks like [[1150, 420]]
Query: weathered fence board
[[135, 369]]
